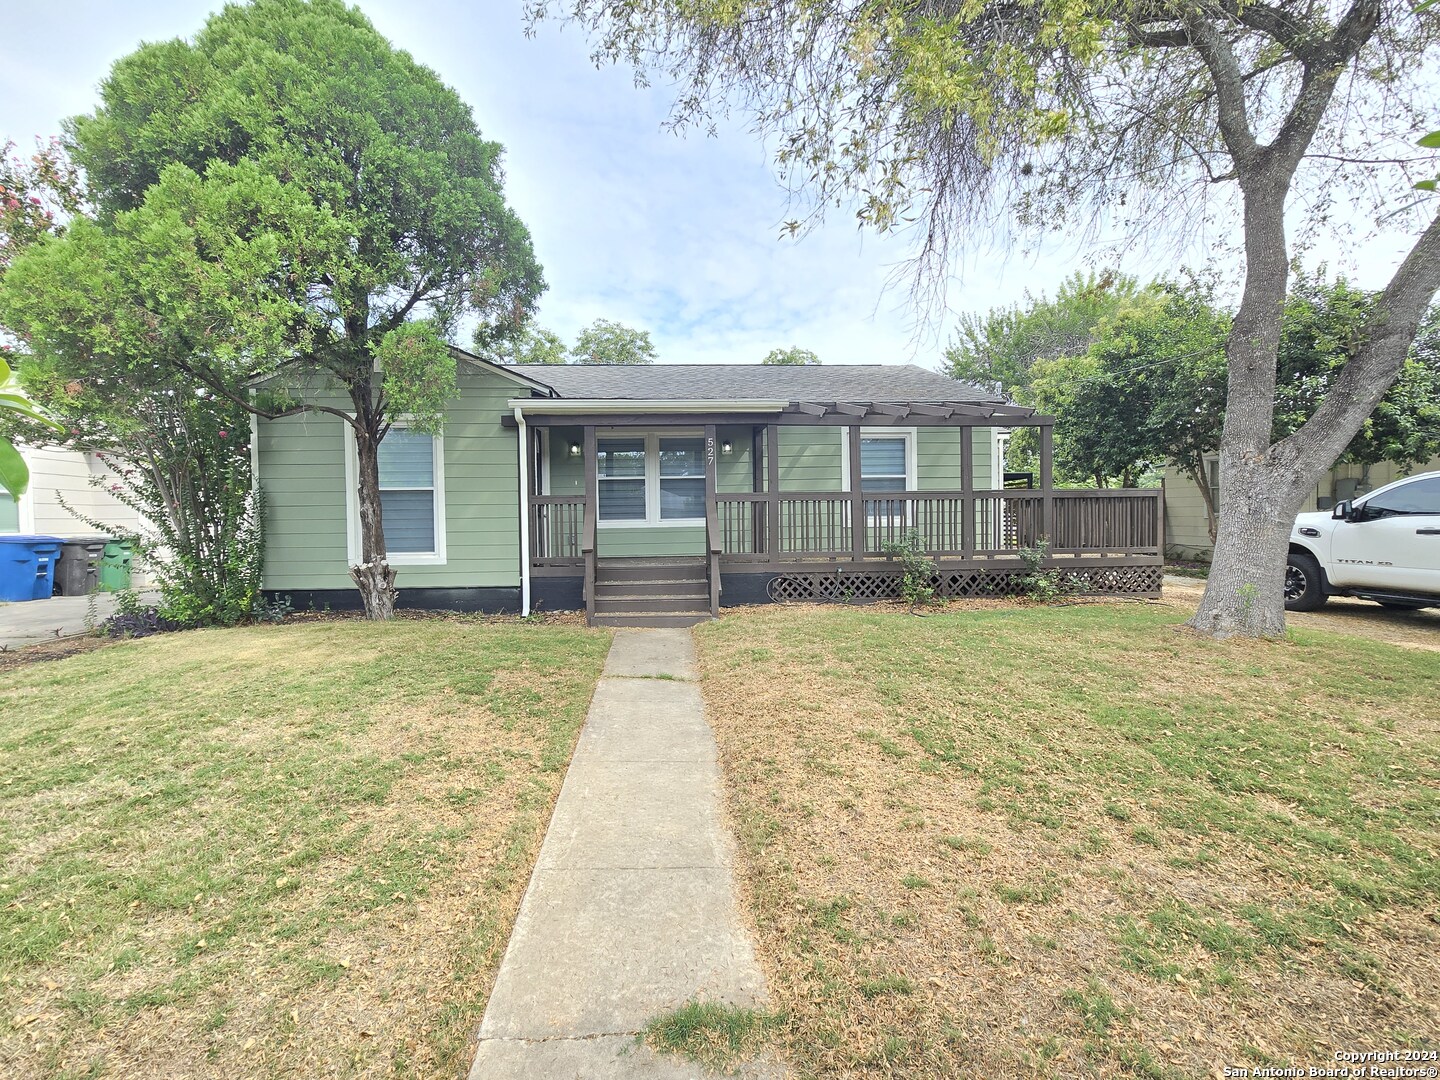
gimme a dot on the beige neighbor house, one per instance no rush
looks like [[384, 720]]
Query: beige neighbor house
[[61, 478], [1187, 531]]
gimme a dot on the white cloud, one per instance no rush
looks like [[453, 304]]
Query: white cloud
[[680, 236]]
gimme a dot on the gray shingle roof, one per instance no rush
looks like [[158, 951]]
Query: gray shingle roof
[[754, 382]]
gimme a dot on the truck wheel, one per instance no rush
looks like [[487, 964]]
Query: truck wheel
[[1304, 586]]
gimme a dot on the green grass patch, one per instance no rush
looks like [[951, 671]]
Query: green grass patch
[[715, 1035], [1140, 813], [230, 825]]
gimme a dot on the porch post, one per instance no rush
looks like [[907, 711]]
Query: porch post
[[592, 510], [772, 488], [713, 545], [1047, 483], [967, 491], [858, 528], [522, 446], [757, 485]]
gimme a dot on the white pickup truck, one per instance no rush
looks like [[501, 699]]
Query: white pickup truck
[[1384, 546]]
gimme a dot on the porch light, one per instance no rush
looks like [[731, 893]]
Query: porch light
[[574, 449], [727, 447]]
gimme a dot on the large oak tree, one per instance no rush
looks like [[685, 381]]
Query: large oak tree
[[952, 115]]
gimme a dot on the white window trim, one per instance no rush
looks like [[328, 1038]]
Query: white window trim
[[652, 518], [24, 504], [352, 507], [908, 434]]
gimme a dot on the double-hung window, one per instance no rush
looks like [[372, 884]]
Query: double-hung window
[[620, 472], [412, 496], [886, 464], [682, 478], [650, 479], [407, 492], [882, 463]]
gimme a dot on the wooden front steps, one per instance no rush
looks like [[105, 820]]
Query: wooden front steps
[[651, 592]]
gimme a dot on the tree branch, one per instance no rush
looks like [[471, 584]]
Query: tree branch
[[1317, 86], [1234, 122], [1363, 381]]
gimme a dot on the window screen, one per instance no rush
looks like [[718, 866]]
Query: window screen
[[682, 478], [407, 491], [620, 467], [882, 464]]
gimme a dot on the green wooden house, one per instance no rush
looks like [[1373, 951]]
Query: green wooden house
[[655, 495]]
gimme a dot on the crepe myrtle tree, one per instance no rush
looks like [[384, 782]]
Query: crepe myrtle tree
[[294, 215], [957, 118]]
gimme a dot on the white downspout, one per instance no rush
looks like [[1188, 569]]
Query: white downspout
[[524, 511]]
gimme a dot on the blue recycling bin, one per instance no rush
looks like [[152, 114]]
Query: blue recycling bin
[[27, 567]]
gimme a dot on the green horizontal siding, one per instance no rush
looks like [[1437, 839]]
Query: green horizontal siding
[[302, 471], [650, 541], [810, 458], [937, 458]]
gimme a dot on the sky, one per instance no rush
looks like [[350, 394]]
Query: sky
[[680, 236]]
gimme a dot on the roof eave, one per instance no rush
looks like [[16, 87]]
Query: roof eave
[[592, 406]]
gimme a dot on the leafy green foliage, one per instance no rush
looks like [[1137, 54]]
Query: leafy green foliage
[[181, 462], [1041, 584], [532, 345], [997, 350], [1149, 388], [284, 193], [1325, 322], [917, 569], [791, 357], [419, 374], [36, 195], [608, 342]]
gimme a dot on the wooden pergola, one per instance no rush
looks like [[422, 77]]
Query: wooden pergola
[[801, 535]]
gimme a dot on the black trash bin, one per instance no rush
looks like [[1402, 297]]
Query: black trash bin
[[78, 571]]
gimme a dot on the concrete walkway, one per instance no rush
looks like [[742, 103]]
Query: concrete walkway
[[631, 909], [34, 621]]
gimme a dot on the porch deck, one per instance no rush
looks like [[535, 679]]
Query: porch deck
[[778, 544]]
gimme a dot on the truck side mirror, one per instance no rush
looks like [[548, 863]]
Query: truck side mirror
[[1343, 510]]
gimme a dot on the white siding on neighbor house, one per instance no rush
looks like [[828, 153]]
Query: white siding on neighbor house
[[57, 475], [64, 476], [60, 478], [1186, 532]]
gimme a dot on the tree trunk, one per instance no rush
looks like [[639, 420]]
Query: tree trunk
[[374, 576], [1265, 485], [1244, 593]]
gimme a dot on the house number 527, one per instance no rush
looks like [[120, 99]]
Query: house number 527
[[710, 451]]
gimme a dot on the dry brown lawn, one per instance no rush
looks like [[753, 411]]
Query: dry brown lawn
[[1074, 841], [276, 851]]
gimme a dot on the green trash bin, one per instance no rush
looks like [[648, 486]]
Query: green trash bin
[[115, 565]]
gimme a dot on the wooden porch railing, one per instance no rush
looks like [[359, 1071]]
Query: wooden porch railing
[[740, 527], [557, 524], [818, 525]]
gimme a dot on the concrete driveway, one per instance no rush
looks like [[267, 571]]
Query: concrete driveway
[[59, 617]]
